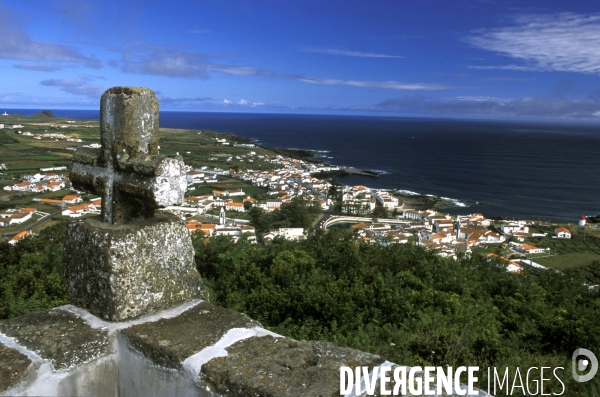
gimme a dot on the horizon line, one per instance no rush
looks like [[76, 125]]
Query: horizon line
[[319, 113]]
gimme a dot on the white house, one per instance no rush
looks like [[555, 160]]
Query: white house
[[231, 206], [385, 199], [478, 219], [232, 193], [511, 228], [289, 233], [195, 177], [55, 186], [72, 199], [412, 214], [527, 249], [273, 204], [22, 187], [20, 217], [79, 210], [443, 224], [562, 232], [14, 217]]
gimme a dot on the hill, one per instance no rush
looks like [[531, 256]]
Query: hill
[[45, 114], [6, 138]]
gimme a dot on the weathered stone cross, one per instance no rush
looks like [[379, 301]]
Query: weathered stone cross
[[127, 172]]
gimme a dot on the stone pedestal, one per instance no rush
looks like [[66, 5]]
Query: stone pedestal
[[119, 272]]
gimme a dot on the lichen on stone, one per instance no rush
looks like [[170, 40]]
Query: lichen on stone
[[167, 344], [13, 367], [118, 272], [58, 336], [282, 367]]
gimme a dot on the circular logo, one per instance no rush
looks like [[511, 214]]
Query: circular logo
[[590, 361]]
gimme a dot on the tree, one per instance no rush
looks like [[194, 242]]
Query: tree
[[380, 212], [301, 213], [248, 205], [332, 193], [31, 272], [258, 219]]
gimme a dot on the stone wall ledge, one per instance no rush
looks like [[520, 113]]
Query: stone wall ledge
[[195, 349]]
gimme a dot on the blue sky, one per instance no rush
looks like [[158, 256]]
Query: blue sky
[[460, 58]]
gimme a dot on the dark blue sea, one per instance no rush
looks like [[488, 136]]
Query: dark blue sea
[[513, 169]]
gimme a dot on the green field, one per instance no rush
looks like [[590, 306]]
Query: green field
[[579, 251], [199, 148], [24, 155], [569, 260]]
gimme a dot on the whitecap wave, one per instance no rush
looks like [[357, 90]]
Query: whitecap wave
[[409, 192]]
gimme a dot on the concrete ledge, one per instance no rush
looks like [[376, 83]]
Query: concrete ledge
[[13, 367], [58, 336], [168, 342], [66, 355], [274, 367], [195, 349]]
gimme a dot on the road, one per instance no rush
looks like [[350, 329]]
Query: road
[[322, 218], [37, 223]]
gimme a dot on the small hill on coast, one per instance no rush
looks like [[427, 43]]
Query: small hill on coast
[[45, 114]]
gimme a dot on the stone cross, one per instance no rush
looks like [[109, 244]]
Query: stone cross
[[127, 171]]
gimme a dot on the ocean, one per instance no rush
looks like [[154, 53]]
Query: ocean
[[512, 169]]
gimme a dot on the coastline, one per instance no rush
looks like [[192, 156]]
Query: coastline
[[525, 201], [410, 199]]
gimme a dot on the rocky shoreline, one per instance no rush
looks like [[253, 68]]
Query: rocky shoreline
[[410, 200], [424, 202]]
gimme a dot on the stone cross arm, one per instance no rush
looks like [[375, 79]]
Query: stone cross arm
[[135, 188]]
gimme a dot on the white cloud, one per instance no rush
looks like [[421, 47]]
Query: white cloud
[[75, 87], [165, 63], [200, 31], [45, 102], [242, 70], [258, 103], [243, 102], [37, 67], [189, 64], [565, 42], [227, 101], [479, 106], [390, 85], [16, 44], [521, 68], [182, 100], [337, 51]]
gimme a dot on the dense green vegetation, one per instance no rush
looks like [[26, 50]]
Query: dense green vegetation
[[405, 303], [400, 301], [297, 213], [30, 273]]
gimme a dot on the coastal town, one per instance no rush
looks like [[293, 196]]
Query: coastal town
[[268, 181]]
